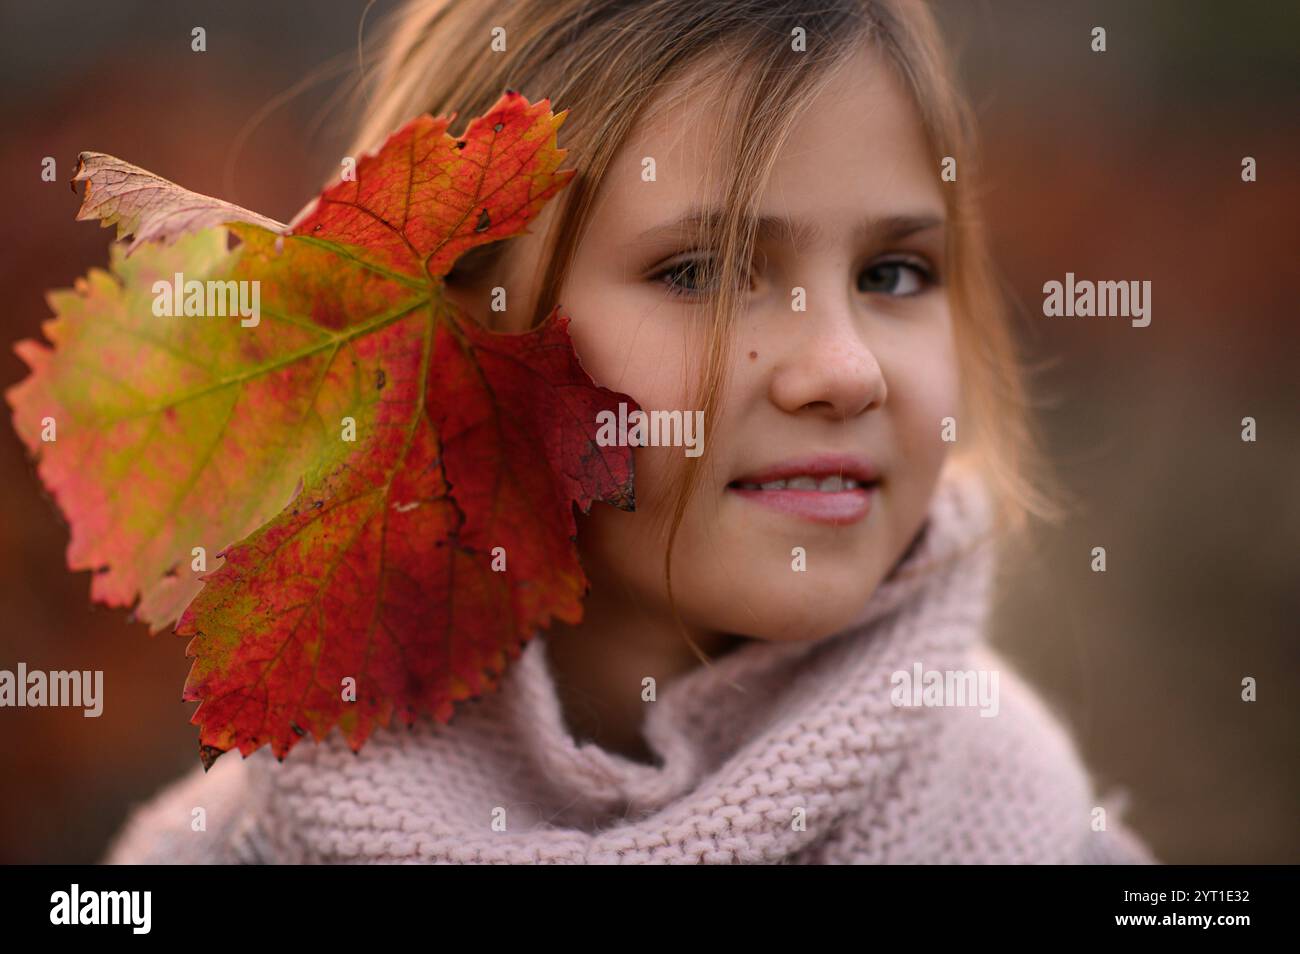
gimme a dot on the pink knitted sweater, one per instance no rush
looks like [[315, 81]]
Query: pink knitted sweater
[[789, 753]]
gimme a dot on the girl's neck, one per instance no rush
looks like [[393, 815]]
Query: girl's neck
[[599, 665]]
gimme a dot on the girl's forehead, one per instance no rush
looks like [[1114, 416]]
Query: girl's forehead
[[699, 108], [857, 147]]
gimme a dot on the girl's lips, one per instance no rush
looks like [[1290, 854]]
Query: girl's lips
[[837, 509], [818, 466], [830, 488]]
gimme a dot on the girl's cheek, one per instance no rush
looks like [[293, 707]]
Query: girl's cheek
[[924, 387], [626, 348], [642, 355]]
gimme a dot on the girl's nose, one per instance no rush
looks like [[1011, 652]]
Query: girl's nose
[[827, 367]]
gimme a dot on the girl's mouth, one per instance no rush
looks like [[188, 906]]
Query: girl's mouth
[[832, 489], [831, 500]]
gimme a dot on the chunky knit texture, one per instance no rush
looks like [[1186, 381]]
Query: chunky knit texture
[[776, 753]]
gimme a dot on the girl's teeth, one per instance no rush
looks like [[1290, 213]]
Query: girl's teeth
[[827, 485]]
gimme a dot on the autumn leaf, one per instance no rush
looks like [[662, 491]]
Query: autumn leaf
[[147, 207], [391, 486]]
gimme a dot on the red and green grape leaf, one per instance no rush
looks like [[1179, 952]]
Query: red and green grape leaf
[[391, 485]]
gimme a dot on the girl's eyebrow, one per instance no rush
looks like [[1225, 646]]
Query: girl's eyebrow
[[773, 228]]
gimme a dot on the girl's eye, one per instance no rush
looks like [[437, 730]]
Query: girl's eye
[[691, 277], [696, 277], [895, 277]]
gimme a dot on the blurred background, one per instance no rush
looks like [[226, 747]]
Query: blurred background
[[1117, 165]]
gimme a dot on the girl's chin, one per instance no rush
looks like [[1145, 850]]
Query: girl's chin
[[779, 624]]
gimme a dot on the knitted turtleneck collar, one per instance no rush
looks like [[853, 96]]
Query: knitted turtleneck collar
[[707, 714], [775, 752]]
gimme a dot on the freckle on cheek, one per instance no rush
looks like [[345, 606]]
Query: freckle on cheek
[[753, 355]]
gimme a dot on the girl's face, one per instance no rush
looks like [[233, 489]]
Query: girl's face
[[857, 384]]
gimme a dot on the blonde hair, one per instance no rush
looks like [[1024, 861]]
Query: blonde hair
[[606, 60]]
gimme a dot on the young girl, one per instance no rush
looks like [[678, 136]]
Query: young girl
[[781, 654]]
